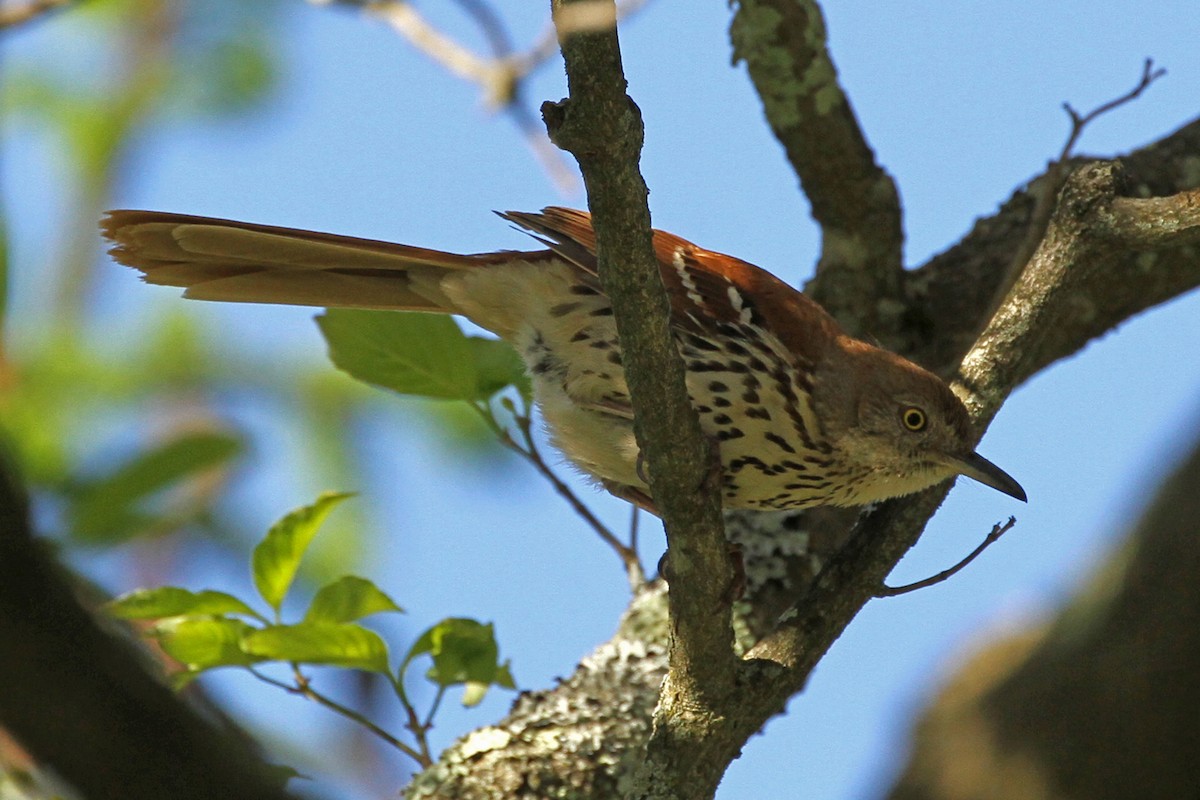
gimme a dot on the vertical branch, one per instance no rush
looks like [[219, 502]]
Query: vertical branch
[[601, 126], [854, 200]]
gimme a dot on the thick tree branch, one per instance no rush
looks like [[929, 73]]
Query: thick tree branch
[[854, 200], [80, 700], [949, 296], [1087, 249], [602, 128]]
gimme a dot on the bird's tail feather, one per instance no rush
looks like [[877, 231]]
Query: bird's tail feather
[[218, 259]]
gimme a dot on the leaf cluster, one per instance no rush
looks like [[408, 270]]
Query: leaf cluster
[[208, 629]]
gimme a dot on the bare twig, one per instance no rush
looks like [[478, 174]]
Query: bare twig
[[527, 448], [998, 530], [499, 76], [1079, 122], [33, 10], [303, 687], [1056, 174]]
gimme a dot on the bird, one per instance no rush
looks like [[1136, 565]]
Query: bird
[[801, 413]]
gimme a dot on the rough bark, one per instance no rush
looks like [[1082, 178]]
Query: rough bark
[[859, 277], [600, 125]]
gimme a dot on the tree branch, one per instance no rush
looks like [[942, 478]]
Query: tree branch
[[86, 706], [1089, 239], [993, 536], [952, 295], [1043, 702], [1046, 192], [602, 128], [854, 200]]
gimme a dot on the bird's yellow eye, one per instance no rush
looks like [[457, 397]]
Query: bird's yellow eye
[[913, 418]]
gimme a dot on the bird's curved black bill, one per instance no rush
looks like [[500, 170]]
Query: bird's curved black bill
[[979, 468]]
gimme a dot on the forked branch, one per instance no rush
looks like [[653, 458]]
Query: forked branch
[[1049, 184]]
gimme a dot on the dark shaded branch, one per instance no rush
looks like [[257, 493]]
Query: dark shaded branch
[[80, 700], [854, 200], [1100, 702]]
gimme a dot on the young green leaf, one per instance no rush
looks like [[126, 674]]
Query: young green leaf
[[172, 601], [348, 598], [464, 651], [277, 557], [342, 645], [497, 365], [420, 354], [202, 643]]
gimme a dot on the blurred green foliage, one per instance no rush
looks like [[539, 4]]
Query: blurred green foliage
[[127, 442]]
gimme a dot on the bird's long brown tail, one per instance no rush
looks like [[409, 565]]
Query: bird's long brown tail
[[218, 259]]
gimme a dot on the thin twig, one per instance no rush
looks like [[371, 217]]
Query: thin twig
[[1052, 181], [36, 9], [997, 531], [303, 687], [635, 518], [530, 452], [499, 77], [427, 724], [1079, 122]]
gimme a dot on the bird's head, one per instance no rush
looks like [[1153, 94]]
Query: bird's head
[[898, 427]]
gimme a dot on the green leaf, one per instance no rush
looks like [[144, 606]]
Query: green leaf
[[172, 601], [497, 366], [110, 508], [419, 354], [204, 642], [347, 599], [464, 651], [339, 645], [278, 556]]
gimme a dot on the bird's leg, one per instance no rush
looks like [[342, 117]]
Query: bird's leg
[[631, 494]]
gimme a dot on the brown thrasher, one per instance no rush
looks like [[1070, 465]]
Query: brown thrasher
[[803, 414]]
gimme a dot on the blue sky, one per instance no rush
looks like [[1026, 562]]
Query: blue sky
[[961, 101]]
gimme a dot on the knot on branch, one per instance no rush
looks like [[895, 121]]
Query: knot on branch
[[619, 134], [1092, 185]]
